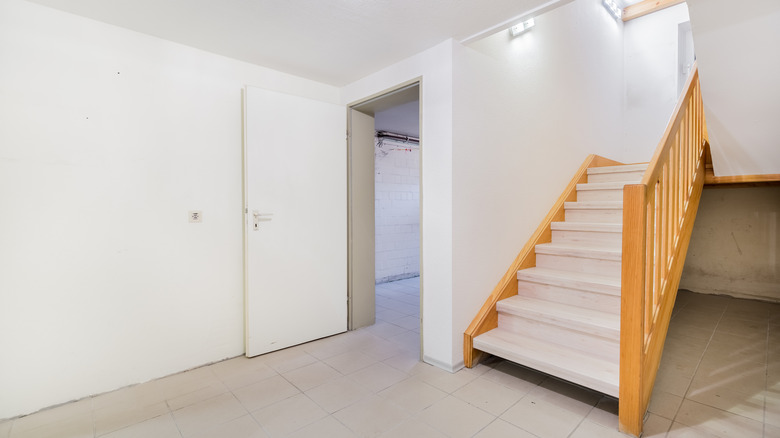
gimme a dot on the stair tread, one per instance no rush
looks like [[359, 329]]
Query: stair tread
[[586, 249], [563, 362], [617, 169], [612, 185], [569, 278], [593, 205], [587, 226], [590, 321]]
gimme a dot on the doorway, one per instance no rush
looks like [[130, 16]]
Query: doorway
[[384, 169]]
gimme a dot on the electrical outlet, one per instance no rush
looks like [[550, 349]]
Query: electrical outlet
[[196, 216]]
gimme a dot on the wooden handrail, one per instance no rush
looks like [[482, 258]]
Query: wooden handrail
[[658, 216], [487, 318]]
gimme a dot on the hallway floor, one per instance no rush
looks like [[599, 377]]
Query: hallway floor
[[720, 376]]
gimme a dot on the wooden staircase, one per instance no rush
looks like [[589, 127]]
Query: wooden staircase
[[565, 318]]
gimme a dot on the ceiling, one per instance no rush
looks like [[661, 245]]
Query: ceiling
[[330, 41]]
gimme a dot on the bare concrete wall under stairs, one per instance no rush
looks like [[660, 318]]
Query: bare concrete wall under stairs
[[735, 246]]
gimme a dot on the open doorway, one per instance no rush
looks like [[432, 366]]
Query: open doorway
[[384, 214]]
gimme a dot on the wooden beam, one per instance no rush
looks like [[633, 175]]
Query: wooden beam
[[647, 7], [747, 180]]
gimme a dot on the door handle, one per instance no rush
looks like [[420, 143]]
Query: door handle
[[258, 217]]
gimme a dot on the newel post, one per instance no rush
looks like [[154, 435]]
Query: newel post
[[632, 305]]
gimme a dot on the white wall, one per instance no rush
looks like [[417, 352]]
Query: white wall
[[108, 138], [527, 112], [735, 245], [397, 201], [650, 49], [434, 68], [736, 47]]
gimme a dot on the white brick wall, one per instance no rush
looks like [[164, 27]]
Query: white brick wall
[[397, 194]]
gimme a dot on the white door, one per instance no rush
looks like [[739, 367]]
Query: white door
[[362, 254], [296, 220]]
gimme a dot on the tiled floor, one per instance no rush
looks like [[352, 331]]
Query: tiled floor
[[720, 376]]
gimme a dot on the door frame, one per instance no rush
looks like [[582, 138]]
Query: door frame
[[350, 106]]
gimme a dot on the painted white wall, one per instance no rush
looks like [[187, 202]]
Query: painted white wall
[[735, 245], [650, 69], [434, 68], [527, 112], [397, 212], [736, 47], [108, 138]]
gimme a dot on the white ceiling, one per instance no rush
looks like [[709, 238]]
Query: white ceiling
[[331, 41]]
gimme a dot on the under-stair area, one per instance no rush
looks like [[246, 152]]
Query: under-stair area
[[565, 318]]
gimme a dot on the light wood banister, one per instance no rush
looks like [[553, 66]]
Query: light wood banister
[[487, 318], [658, 216]]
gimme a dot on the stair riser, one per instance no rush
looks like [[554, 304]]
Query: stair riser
[[600, 195], [608, 349], [583, 237], [611, 216], [579, 264], [573, 297], [628, 177]]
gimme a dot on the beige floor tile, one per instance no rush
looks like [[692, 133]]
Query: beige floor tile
[[408, 322], [501, 429], [772, 413], [456, 418], [289, 359], [199, 393], [187, 382], [350, 362], [337, 394], [565, 395], [158, 427], [413, 395], [671, 383], [413, 428], [121, 415], [327, 347], [543, 418], [729, 398], [248, 377], [52, 415], [388, 315], [371, 417], [386, 329], [288, 415], [605, 413], [311, 376], [145, 394], [717, 422], [241, 427], [77, 426], [406, 362], [381, 349], [664, 404], [444, 380], [656, 426], [515, 377], [377, 377], [5, 428], [771, 431], [327, 427], [748, 328], [265, 393], [209, 413], [588, 429], [407, 340], [488, 395], [679, 430]]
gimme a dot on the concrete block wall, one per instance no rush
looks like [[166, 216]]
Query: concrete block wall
[[397, 194]]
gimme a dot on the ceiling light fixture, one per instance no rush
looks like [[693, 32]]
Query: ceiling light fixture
[[613, 9], [519, 28]]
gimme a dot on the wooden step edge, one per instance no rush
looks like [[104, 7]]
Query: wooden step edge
[[581, 251], [601, 227], [556, 360], [600, 284], [617, 169], [611, 185], [593, 205], [588, 321]]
